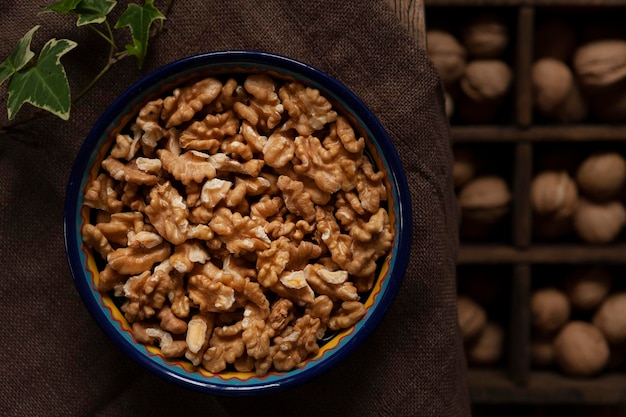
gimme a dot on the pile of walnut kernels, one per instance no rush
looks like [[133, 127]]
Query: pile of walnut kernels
[[238, 222]]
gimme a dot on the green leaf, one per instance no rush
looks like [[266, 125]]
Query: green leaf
[[44, 85], [139, 20], [88, 11], [93, 11], [62, 6], [19, 56]]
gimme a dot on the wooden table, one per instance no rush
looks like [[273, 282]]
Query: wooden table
[[411, 14]]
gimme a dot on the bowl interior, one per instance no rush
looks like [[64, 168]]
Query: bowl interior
[[84, 266]]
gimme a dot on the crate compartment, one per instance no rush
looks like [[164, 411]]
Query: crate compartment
[[584, 298], [474, 50], [527, 143], [577, 193], [579, 73], [484, 189], [484, 314]]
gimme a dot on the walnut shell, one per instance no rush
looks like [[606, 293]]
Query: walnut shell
[[472, 317], [554, 193], [486, 349], [599, 223], [447, 55], [587, 288], [610, 318], [556, 95], [602, 175], [485, 36], [486, 80], [485, 199], [580, 349], [549, 309], [555, 38], [600, 63]]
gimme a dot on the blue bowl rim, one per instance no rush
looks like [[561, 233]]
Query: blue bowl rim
[[235, 57]]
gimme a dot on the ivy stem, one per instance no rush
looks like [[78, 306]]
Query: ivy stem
[[113, 58], [109, 38]]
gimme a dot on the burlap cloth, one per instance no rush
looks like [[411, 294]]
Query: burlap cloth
[[55, 359]]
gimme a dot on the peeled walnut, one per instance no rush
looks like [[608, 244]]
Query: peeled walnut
[[599, 223], [556, 94], [486, 80], [485, 36], [580, 349], [472, 317], [554, 193], [601, 63], [447, 55], [549, 309], [586, 288], [602, 175], [555, 39], [610, 318], [487, 348]]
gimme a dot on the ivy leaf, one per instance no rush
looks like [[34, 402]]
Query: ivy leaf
[[44, 85], [62, 6], [93, 11], [88, 11], [19, 56], [139, 20]]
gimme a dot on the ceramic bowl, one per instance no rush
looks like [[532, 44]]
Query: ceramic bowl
[[85, 266]]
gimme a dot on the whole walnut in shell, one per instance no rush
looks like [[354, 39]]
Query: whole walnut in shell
[[601, 63], [447, 55], [485, 199], [485, 36], [602, 175], [610, 318], [549, 309], [554, 194], [599, 223], [486, 349], [587, 288], [556, 94], [472, 317], [580, 349], [486, 80]]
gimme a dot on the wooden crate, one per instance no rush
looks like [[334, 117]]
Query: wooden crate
[[521, 140]]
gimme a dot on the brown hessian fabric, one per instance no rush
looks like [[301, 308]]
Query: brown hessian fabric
[[55, 359]]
